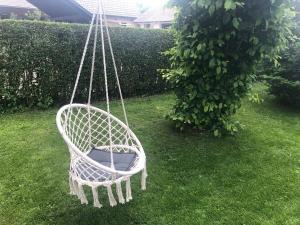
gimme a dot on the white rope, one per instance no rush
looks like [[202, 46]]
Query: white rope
[[106, 90], [120, 193], [94, 55], [111, 198], [144, 177], [72, 189], [76, 190], [115, 66], [82, 196], [80, 66], [128, 190], [92, 77], [96, 197], [82, 59]]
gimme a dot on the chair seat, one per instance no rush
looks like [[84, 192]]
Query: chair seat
[[122, 161]]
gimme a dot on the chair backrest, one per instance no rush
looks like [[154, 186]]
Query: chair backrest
[[87, 128]]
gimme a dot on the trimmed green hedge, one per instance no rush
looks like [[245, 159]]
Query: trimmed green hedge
[[39, 63]]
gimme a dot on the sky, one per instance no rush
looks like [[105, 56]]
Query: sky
[[152, 3]]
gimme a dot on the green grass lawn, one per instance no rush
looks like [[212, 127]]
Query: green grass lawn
[[251, 178]]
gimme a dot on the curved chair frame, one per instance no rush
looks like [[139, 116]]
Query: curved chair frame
[[74, 123]]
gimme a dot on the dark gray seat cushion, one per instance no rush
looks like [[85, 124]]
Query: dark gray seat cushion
[[122, 161]]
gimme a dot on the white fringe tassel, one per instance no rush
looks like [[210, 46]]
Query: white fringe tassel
[[144, 177], [112, 200], [82, 196], [120, 193], [96, 198], [71, 184], [128, 190], [75, 186], [78, 193]]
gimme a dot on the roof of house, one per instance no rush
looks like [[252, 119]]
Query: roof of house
[[161, 14], [80, 11], [124, 8], [63, 10], [17, 4]]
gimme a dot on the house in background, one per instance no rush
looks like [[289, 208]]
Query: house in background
[[63, 10], [15, 8], [156, 18], [118, 12]]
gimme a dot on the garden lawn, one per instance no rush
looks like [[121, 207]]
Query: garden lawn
[[251, 178]]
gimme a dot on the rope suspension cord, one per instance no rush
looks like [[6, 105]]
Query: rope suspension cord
[[82, 59], [106, 89], [80, 67], [92, 74], [114, 64]]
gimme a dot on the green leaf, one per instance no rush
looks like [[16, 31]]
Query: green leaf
[[219, 70], [211, 9], [199, 47], [229, 4], [212, 63], [206, 108], [216, 133], [235, 23], [187, 52], [195, 27]]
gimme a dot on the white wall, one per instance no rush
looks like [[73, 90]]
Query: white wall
[[156, 25], [153, 25]]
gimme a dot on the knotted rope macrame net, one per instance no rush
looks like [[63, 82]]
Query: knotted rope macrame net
[[103, 149]]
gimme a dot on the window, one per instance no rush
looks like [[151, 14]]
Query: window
[[4, 16], [124, 24], [166, 25], [148, 25]]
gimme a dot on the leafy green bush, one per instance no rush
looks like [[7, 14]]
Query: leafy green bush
[[285, 80], [39, 63], [218, 45], [286, 91]]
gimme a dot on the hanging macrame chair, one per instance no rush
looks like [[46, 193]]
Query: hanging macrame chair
[[103, 150]]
